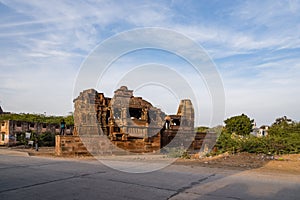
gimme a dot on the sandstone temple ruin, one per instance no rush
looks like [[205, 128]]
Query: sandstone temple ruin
[[129, 123]]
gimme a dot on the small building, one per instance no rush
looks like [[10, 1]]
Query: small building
[[263, 131], [5, 133], [12, 132], [260, 132]]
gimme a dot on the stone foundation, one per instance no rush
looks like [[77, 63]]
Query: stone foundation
[[69, 146], [74, 146]]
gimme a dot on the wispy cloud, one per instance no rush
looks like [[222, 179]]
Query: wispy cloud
[[255, 45]]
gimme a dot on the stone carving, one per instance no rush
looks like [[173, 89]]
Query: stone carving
[[132, 123]]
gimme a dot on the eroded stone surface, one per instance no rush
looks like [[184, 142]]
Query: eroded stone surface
[[130, 123]]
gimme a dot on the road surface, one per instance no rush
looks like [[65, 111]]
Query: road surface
[[25, 177]]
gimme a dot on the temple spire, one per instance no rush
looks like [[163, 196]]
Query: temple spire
[[1, 111]]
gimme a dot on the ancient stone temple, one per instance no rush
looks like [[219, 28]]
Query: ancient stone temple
[[119, 117], [130, 123]]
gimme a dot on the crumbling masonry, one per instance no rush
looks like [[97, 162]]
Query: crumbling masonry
[[131, 123]]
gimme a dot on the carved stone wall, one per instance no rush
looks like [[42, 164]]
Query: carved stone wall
[[129, 122], [98, 115]]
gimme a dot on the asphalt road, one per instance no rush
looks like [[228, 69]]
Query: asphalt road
[[25, 177]]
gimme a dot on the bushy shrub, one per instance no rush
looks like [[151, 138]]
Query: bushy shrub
[[177, 153], [283, 138], [47, 139], [287, 144]]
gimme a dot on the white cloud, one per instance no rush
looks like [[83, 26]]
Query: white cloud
[[272, 92], [255, 47]]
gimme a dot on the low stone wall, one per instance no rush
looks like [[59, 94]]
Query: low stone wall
[[73, 146], [149, 145], [198, 141], [69, 146]]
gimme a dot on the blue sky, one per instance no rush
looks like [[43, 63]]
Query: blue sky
[[255, 46]]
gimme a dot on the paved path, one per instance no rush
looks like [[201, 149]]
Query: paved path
[[26, 177]]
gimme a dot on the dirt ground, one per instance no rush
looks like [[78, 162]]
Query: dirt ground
[[242, 161], [246, 161]]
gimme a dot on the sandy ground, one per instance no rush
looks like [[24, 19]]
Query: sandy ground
[[245, 161]]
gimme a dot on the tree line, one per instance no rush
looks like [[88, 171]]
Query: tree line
[[38, 118], [283, 137]]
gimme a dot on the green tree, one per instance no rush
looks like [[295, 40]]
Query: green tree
[[283, 138], [40, 118], [241, 125], [283, 121], [283, 126], [202, 129]]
